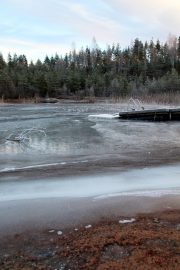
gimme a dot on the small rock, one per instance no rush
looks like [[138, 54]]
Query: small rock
[[178, 227], [6, 255], [156, 220], [59, 233], [76, 229], [114, 252]]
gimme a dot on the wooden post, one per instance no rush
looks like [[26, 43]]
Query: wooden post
[[170, 115]]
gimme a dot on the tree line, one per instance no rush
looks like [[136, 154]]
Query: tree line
[[142, 68]]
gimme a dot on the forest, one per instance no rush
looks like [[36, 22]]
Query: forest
[[143, 68]]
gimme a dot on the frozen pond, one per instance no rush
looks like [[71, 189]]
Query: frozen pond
[[84, 164], [77, 143], [77, 133]]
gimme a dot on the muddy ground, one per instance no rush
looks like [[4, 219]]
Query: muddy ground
[[152, 241]]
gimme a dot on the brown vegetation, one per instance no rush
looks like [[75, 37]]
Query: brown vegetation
[[151, 242]]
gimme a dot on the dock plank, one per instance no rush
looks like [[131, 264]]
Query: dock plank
[[152, 115]]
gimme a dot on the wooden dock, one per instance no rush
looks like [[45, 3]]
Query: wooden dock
[[152, 115]]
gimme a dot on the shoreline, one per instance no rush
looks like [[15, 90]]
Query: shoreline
[[87, 233], [40, 202], [38, 214], [148, 100]]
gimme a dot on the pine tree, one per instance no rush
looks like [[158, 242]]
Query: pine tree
[[2, 62]]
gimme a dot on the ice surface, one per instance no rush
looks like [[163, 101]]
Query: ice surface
[[76, 130], [82, 134], [145, 182]]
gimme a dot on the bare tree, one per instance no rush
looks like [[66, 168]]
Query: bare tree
[[172, 46]]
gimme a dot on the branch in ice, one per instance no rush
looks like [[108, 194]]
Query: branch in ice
[[25, 135]]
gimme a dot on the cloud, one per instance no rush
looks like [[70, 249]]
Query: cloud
[[89, 24], [52, 24], [75, 19], [37, 50], [75, 16], [154, 17]]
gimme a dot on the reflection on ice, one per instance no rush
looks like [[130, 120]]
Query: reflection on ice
[[146, 182]]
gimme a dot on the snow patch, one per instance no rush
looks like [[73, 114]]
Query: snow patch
[[106, 116], [51, 231], [8, 169], [88, 226], [46, 165], [124, 221]]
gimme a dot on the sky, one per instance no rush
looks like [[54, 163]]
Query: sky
[[38, 28]]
